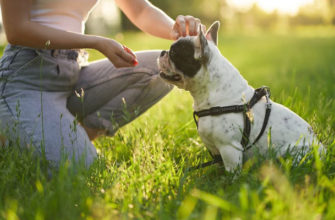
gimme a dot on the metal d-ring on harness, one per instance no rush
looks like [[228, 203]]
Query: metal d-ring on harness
[[245, 109]]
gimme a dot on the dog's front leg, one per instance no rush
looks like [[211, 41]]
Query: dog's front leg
[[231, 157]]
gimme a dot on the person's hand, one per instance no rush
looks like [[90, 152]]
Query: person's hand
[[119, 55], [184, 26]]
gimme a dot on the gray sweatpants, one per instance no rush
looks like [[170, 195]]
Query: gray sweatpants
[[44, 93]]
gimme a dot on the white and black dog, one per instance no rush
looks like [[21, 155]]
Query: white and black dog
[[194, 63]]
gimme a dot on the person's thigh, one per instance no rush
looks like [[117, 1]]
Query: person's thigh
[[33, 113], [48, 127], [113, 96]]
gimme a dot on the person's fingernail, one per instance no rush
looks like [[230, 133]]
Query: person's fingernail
[[126, 49], [135, 62]]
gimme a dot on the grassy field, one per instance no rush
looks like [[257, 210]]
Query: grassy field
[[142, 171]]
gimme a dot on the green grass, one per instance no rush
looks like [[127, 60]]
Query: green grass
[[142, 172]]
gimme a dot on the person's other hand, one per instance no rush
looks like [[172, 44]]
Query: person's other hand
[[186, 25], [118, 54]]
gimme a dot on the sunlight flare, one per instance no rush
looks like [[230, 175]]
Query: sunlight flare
[[283, 6]]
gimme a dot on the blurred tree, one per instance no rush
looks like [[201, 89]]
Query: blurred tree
[[320, 12], [325, 9], [332, 10], [208, 11], [104, 19], [251, 19], [317, 13]]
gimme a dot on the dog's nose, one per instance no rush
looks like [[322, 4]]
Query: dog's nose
[[163, 52]]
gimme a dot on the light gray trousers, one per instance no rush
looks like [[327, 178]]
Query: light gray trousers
[[44, 93]]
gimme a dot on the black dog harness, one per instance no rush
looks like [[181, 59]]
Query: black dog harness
[[245, 109]]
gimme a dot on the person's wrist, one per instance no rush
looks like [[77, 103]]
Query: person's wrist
[[95, 42]]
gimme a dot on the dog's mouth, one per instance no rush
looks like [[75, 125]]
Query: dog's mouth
[[166, 69], [174, 77]]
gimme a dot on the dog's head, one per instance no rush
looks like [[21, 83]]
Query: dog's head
[[189, 57]]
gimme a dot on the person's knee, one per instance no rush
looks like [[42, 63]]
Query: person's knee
[[74, 146], [93, 133], [84, 155]]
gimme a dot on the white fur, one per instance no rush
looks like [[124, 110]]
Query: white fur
[[219, 83]]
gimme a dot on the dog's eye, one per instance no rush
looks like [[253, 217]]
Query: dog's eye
[[172, 53]]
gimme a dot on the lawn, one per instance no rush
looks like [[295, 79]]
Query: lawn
[[142, 170]]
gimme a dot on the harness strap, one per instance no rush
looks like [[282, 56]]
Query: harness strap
[[246, 130], [245, 109], [218, 111], [216, 159], [265, 122]]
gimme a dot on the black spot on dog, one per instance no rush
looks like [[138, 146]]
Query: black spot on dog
[[182, 55]]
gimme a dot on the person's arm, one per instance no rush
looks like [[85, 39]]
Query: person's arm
[[21, 31], [154, 21]]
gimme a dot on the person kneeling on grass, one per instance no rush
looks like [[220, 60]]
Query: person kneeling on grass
[[44, 69]]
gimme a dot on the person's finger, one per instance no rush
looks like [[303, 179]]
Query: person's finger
[[134, 61], [129, 51], [175, 34], [120, 62], [191, 25], [127, 57], [181, 25]]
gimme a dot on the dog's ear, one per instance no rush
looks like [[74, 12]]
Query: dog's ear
[[203, 41], [200, 43], [212, 33]]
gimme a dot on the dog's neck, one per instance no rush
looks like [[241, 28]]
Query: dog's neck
[[220, 85]]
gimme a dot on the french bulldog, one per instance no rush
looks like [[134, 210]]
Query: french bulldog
[[195, 64]]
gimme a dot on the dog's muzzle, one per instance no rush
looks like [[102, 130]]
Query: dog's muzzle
[[163, 53]]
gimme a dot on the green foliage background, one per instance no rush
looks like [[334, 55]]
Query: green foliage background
[[317, 13], [142, 171]]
